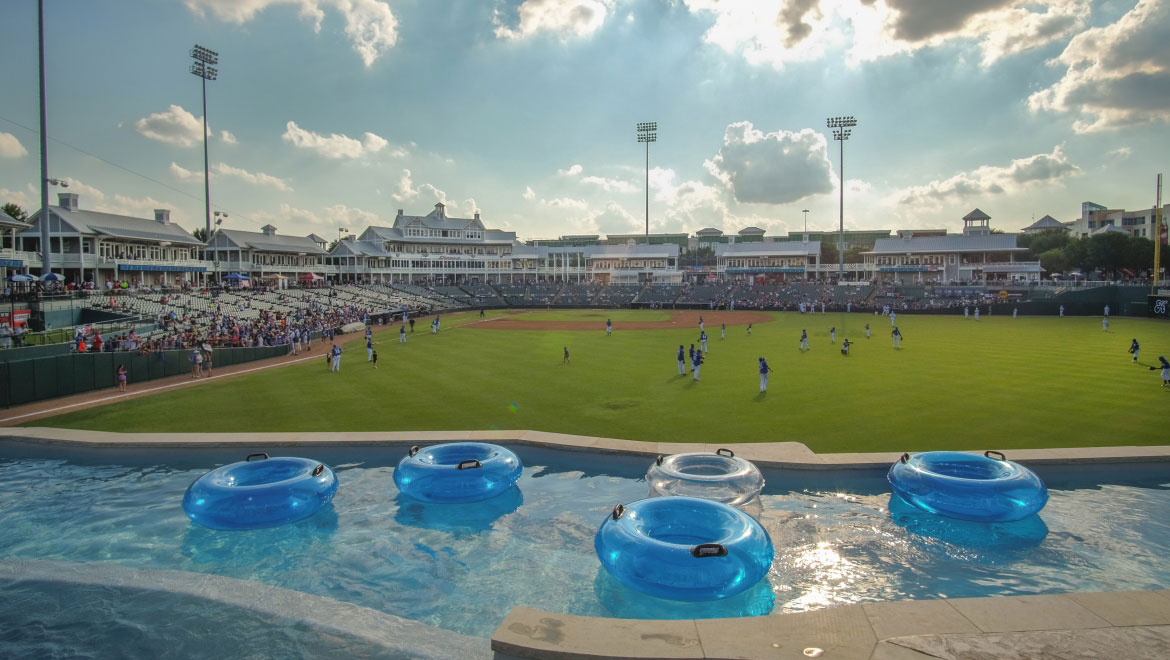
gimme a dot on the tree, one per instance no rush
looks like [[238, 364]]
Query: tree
[[1044, 241], [200, 234], [828, 252], [1107, 251], [1054, 261], [853, 254], [14, 211], [332, 244]]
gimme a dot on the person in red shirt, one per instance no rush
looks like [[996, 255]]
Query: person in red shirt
[[97, 341]]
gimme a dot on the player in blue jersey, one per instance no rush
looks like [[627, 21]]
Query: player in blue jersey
[[804, 340], [1134, 347], [1165, 371], [897, 336], [845, 346], [764, 371], [335, 353], [833, 335], [697, 363], [682, 360], [703, 340]]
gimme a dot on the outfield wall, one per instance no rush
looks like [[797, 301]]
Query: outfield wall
[[26, 381]]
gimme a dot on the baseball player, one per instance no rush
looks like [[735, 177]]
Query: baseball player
[[804, 340], [1062, 311], [336, 353], [897, 335], [369, 348], [833, 335], [1105, 324], [764, 371], [867, 331], [1134, 347], [976, 313], [722, 331], [1165, 371], [845, 346], [608, 327], [966, 312], [697, 364], [692, 353], [682, 361], [749, 329], [1015, 311], [566, 360], [703, 340], [893, 317], [375, 359], [402, 334]]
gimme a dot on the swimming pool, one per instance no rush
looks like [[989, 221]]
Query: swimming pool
[[463, 567]]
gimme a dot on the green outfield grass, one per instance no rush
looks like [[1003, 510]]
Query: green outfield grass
[[595, 315], [962, 384]]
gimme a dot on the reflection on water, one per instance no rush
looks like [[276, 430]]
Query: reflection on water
[[837, 535]]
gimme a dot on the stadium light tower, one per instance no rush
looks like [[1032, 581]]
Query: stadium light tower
[[805, 212], [201, 67], [842, 127], [647, 132], [45, 253]]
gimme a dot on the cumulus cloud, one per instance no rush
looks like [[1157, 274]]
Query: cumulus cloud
[[988, 180], [565, 19], [345, 216], [183, 174], [172, 126], [771, 168], [406, 191], [777, 33], [1116, 75], [573, 170], [10, 147], [334, 145], [227, 138], [371, 27], [257, 179], [615, 219], [16, 197], [606, 184], [529, 193]]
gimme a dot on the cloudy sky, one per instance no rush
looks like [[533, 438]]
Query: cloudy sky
[[333, 114]]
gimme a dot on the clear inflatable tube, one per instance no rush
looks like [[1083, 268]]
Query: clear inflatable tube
[[721, 477], [683, 548], [968, 486], [457, 472], [253, 494]]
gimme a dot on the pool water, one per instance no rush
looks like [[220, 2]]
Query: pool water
[[462, 567]]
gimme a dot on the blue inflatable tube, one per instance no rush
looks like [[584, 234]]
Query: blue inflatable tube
[[968, 486], [457, 472], [254, 494], [683, 548]]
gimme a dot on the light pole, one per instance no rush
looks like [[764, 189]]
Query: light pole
[[340, 231], [842, 127], [647, 132], [45, 264], [201, 67], [805, 212]]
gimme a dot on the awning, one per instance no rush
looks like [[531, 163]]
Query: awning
[[311, 277], [236, 276], [116, 232]]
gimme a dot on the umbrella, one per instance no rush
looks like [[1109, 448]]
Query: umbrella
[[51, 277], [22, 278], [236, 276]]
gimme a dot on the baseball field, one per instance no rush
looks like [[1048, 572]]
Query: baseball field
[[955, 384]]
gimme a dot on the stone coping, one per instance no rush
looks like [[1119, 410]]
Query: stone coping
[[375, 633], [793, 455], [1128, 624]]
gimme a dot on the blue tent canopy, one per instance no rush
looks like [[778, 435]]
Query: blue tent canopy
[[236, 276], [22, 278], [51, 277]]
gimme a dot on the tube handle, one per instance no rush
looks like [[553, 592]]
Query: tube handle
[[904, 458], [262, 456], [659, 460], [618, 511], [729, 454], [989, 453], [708, 550], [469, 464], [319, 469], [412, 451]]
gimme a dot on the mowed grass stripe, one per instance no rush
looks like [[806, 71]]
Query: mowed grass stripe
[[998, 382]]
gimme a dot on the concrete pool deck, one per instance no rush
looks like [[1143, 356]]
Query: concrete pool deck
[[1132, 624]]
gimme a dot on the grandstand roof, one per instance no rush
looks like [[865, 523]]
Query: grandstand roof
[[781, 249], [120, 226], [266, 242], [1047, 222], [360, 248], [955, 243]]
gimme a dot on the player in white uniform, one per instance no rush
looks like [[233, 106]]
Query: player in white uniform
[[833, 335], [867, 331], [1105, 324], [976, 313]]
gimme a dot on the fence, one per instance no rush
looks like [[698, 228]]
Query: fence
[[25, 381]]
